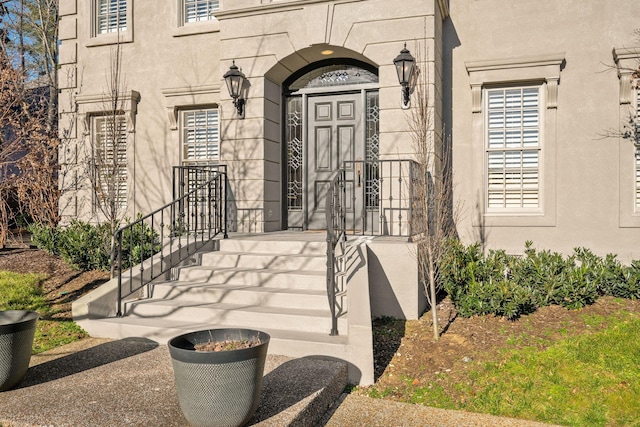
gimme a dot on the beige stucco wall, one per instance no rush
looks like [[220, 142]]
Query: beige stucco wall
[[172, 67], [587, 178], [164, 69]]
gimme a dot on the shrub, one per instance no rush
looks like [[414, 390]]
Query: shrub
[[139, 242], [629, 286], [45, 237], [510, 286], [88, 246]]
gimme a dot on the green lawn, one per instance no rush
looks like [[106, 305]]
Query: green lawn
[[24, 292], [592, 379]]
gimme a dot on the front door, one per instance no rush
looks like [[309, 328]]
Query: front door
[[335, 134]]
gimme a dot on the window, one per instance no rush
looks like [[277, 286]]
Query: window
[[513, 159], [199, 10], [627, 63], [636, 140], [111, 22], [110, 138], [200, 136], [111, 16], [513, 149]]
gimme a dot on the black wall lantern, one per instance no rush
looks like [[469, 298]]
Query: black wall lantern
[[405, 65], [235, 83]]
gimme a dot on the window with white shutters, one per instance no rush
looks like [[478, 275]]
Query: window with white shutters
[[199, 10], [200, 136], [513, 149], [111, 16], [636, 140], [110, 136]]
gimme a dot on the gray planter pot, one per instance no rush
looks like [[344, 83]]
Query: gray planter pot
[[17, 328], [218, 388]]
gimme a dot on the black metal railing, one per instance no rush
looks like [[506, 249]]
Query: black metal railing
[[336, 233], [161, 240], [366, 198]]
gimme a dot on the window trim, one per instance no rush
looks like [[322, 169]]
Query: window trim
[[101, 39], [627, 60], [543, 71]]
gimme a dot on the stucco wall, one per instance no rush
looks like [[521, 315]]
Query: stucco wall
[[588, 178], [172, 67]]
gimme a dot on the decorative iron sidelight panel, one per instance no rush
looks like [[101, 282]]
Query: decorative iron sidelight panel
[[294, 157], [372, 185]]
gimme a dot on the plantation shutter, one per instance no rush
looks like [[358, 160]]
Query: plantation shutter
[[199, 10], [637, 141], [111, 143], [112, 16], [513, 148], [200, 136]]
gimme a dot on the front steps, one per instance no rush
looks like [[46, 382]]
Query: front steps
[[272, 282]]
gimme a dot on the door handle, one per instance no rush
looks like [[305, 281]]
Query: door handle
[[359, 174]]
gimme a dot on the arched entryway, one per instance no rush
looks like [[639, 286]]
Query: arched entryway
[[331, 120]]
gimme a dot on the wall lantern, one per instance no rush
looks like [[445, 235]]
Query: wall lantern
[[235, 83], [405, 65]]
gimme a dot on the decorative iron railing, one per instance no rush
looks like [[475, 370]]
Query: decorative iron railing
[[366, 198], [161, 240]]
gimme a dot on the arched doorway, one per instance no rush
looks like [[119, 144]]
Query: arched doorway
[[331, 117]]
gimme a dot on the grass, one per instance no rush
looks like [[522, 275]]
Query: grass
[[24, 292], [592, 379]]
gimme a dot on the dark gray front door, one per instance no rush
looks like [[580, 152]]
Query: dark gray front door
[[335, 135]]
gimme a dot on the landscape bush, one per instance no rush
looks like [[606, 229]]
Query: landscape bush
[[88, 246], [511, 285], [139, 242]]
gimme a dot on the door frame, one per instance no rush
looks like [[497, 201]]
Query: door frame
[[302, 216]]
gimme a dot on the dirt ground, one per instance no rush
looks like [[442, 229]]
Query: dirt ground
[[407, 353], [404, 351], [62, 284]]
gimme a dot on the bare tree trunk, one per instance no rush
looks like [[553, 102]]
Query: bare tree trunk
[[434, 213]]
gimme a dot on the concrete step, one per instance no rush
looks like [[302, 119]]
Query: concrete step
[[251, 316], [285, 342], [241, 294], [280, 261], [267, 244], [271, 278]]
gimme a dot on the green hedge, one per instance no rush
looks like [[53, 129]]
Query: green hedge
[[88, 246], [510, 286]]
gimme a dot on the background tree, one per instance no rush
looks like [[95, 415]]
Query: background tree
[[10, 104], [30, 50]]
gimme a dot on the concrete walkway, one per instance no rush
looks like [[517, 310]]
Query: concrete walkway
[[98, 382]]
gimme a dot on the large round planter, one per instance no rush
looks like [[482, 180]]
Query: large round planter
[[17, 328], [218, 388]]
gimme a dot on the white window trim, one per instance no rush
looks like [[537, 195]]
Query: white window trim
[[98, 39], [91, 105], [182, 28], [177, 98], [539, 70]]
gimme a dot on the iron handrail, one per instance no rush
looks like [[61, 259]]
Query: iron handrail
[[336, 232], [385, 189], [174, 232]]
